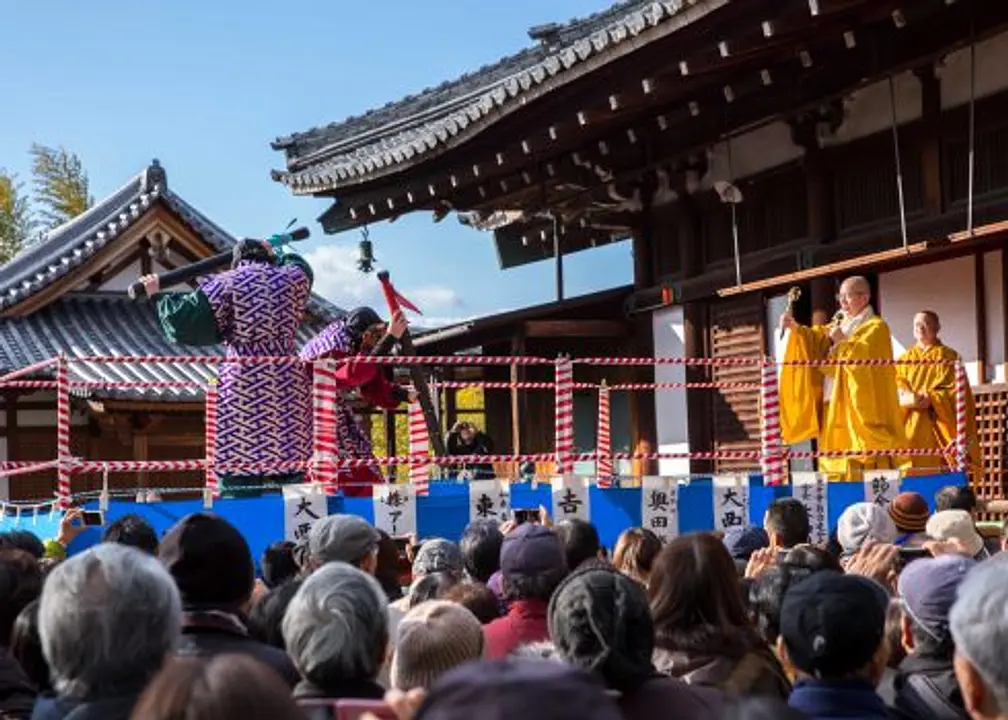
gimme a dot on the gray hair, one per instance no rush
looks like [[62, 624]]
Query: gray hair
[[979, 625], [107, 619], [336, 627], [543, 650], [438, 555]]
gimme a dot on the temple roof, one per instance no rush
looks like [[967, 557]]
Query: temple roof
[[403, 132]]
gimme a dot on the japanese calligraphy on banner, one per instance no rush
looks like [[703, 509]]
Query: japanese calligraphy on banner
[[881, 486], [570, 498], [395, 509], [489, 500], [304, 505], [660, 506], [809, 488], [731, 501]]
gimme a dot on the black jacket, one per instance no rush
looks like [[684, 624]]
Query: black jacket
[[59, 708], [17, 696], [926, 688], [207, 633], [310, 697]]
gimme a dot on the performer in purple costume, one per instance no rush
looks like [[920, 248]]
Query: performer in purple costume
[[254, 309], [360, 332]]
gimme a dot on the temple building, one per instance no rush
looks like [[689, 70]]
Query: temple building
[[746, 147], [66, 294]]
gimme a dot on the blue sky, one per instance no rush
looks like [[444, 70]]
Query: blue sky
[[205, 85]]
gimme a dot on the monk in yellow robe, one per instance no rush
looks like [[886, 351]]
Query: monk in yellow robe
[[843, 407], [928, 399]]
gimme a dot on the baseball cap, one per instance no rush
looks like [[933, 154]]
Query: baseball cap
[[928, 589], [832, 624], [532, 549], [342, 538], [956, 525]]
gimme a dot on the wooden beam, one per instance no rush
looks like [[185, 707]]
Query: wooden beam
[[575, 328], [980, 317]]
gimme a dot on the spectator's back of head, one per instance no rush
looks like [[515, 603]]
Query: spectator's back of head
[[265, 622], [956, 526], [26, 647], [812, 557], [766, 597], [431, 587], [438, 555], [477, 598], [20, 584], [909, 512], [336, 627], [786, 523], [580, 540], [278, 565], [108, 618], [133, 531], [387, 567], [599, 620], [927, 589], [480, 545], [742, 542], [210, 561], [433, 638], [833, 627], [864, 522], [225, 687], [343, 538], [538, 689], [955, 497], [636, 549], [979, 625], [532, 563], [22, 540]]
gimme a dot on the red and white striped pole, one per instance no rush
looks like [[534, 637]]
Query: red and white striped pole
[[962, 440], [604, 464], [419, 447], [564, 416], [210, 439], [63, 457], [324, 444], [771, 444]]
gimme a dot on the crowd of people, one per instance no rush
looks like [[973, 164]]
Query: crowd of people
[[903, 614]]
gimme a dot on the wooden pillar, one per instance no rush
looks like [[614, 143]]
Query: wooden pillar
[[141, 452], [450, 401], [389, 421], [931, 111], [642, 404]]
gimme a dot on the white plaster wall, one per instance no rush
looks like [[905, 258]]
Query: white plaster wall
[[991, 71], [947, 288], [670, 405], [994, 306]]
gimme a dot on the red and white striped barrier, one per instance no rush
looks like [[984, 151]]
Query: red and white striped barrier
[[419, 448], [603, 443], [325, 461], [63, 455], [564, 416], [210, 440], [773, 463], [961, 441]]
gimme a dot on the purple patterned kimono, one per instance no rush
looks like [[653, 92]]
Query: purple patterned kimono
[[265, 412]]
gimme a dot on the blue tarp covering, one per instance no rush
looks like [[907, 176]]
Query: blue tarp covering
[[445, 512]]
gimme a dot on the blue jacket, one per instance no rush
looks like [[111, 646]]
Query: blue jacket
[[850, 699], [59, 708]]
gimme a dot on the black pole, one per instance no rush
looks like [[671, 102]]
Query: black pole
[[559, 259]]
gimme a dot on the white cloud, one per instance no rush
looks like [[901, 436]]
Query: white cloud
[[338, 280]]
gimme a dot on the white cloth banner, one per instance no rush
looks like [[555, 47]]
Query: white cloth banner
[[809, 488], [489, 500], [881, 486], [660, 506], [395, 509], [570, 498], [304, 505], [731, 501]]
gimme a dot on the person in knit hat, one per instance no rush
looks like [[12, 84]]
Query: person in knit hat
[[955, 531], [863, 522], [434, 637], [599, 620], [909, 512]]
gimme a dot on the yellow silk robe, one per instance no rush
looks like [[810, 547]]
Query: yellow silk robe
[[935, 427], [864, 411]]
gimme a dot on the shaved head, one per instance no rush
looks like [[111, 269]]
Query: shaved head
[[856, 285], [854, 295]]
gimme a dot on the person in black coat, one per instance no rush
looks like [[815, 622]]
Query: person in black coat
[[464, 439]]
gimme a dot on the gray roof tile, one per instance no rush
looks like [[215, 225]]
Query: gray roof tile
[[318, 158]]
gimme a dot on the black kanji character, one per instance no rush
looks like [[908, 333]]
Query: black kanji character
[[570, 502], [731, 496], [485, 506], [659, 500], [304, 508], [731, 519]]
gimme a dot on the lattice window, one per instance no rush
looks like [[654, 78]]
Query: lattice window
[[992, 428], [736, 330]]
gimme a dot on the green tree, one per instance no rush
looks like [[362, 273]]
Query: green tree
[[15, 216], [61, 185]]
